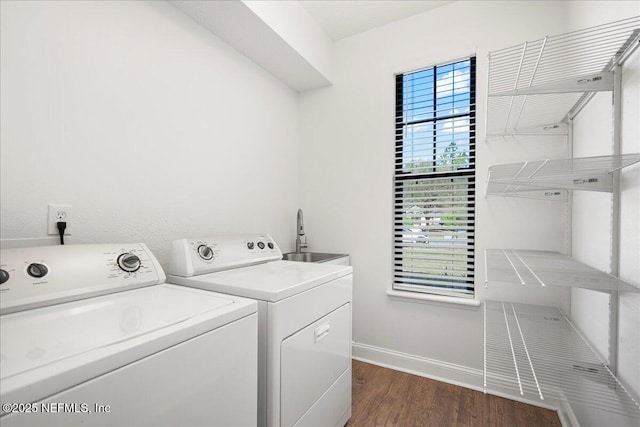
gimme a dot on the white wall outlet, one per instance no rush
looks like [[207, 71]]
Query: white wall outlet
[[59, 213]]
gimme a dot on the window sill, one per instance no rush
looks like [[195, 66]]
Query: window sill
[[433, 298]]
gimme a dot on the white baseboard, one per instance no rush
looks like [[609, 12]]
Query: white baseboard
[[422, 366]]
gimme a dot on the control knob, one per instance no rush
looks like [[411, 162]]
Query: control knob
[[205, 252], [270, 244], [4, 275], [37, 270], [129, 262], [250, 245], [261, 245]]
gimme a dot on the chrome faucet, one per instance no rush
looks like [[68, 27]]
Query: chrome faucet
[[301, 239]]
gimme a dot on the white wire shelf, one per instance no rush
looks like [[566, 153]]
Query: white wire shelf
[[547, 178], [545, 268], [535, 353], [536, 86]]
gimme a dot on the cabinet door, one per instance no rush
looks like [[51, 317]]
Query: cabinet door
[[312, 360]]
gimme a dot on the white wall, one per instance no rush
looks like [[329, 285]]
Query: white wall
[[150, 126], [346, 169], [153, 129], [592, 212]]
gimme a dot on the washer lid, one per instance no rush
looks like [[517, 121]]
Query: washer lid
[[48, 349], [272, 281]]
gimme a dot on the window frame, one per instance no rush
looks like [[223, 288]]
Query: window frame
[[400, 176]]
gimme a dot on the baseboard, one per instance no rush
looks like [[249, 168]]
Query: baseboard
[[422, 366]]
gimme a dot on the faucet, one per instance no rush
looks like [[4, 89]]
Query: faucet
[[301, 239]]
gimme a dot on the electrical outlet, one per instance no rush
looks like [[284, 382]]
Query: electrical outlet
[[59, 213]]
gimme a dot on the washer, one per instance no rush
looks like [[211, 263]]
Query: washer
[[304, 323], [92, 336]]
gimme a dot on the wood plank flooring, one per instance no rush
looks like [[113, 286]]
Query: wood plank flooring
[[384, 397]]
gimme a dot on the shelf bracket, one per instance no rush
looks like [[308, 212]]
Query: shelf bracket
[[587, 83], [540, 130]]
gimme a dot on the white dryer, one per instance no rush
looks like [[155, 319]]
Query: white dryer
[[91, 336], [304, 327]]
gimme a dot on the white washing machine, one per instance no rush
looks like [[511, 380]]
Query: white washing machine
[[304, 323], [91, 336]]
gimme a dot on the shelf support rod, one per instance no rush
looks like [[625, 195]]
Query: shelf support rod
[[538, 168], [530, 270], [569, 235], [485, 339], [526, 350], [514, 268], [515, 86], [486, 105], [487, 181], [486, 272], [513, 352], [535, 70], [615, 220], [516, 176], [569, 222]]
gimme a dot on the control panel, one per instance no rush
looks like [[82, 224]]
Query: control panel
[[199, 256], [41, 276]]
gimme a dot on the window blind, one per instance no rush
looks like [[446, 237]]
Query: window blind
[[434, 180]]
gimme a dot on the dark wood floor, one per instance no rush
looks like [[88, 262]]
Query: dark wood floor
[[384, 397]]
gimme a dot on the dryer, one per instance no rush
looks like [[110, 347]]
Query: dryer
[[92, 336], [304, 323]]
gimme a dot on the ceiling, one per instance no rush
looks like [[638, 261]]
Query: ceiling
[[343, 18], [281, 37]]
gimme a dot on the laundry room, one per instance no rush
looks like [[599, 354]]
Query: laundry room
[[372, 212]]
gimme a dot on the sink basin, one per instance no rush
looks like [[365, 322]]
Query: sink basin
[[310, 256]]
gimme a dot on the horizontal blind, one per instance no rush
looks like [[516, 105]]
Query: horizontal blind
[[434, 180]]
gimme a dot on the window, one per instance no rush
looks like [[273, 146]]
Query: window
[[434, 180]]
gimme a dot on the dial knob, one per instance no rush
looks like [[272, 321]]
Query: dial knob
[[270, 244], [4, 276], [129, 262], [37, 270], [250, 245], [205, 252], [261, 245]]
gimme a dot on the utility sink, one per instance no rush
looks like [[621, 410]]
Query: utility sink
[[310, 256]]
